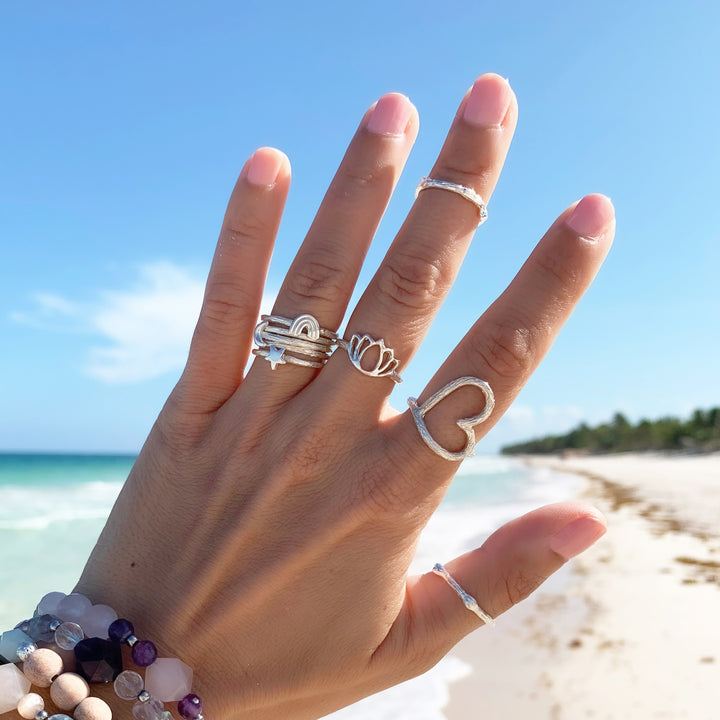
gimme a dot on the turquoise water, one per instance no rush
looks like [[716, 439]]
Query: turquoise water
[[53, 507]]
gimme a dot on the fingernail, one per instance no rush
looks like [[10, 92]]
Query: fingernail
[[264, 166], [391, 115], [488, 101], [577, 537], [591, 216]]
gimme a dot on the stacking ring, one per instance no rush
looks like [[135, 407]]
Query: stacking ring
[[295, 341], [468, 600], [385, 364], [463, 190]]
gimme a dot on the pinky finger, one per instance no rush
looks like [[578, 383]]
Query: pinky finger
[[223, 336], [511, 564]]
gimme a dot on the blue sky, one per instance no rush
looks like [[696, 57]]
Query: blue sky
[[124, 126]]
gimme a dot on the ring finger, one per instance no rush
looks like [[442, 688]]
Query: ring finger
[[323, 275]]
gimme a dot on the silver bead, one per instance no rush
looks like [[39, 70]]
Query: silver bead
[[41, 715], [131, 640], [55, 624], [144, 696], [25, 650]]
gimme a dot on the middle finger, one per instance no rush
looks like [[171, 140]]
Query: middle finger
[[421, 265]]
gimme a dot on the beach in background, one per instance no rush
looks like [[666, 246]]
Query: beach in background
[[630, 629]]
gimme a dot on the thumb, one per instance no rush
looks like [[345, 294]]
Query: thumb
[[512, 562]]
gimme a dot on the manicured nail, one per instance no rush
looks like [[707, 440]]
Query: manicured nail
[[488, 101], [264, 166], [391, 115], [592, 216], [578, 536]]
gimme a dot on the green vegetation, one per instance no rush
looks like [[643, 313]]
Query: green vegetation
[[701, 432]]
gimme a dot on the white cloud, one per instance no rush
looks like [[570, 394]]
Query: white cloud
[[145, 330], [545, 420]]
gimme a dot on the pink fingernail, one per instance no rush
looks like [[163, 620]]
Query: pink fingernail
[[264, 166], [391, 115], [578, 536], [591, 216], [488, 101]]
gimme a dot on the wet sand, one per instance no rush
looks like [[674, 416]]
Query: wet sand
[[630, 629]]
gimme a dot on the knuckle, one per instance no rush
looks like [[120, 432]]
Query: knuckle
[[557, 270], [507, 349], [244, 230], [412, 282], [225, 304], [518, 585], [317, 277]]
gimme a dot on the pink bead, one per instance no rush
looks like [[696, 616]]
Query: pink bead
[[30, 705], [96, 621], [13, 685], [42, 666], [69, 690], [72, 607], [168, 679], [93, 708], [49, 603]]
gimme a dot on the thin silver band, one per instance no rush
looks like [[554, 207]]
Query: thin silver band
[[468, 600], [294, 341], [463, 190]]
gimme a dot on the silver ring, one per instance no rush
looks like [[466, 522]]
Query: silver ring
[[468, 600], [294, 341], [465, 424], [386, 363], [463, 190]]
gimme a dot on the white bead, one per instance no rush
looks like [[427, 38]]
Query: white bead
[[13, 685], [168, 679], [48, 605], [30, 705], [96, 621], [72, 607]]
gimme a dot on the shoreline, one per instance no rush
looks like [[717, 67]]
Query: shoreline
[[629, 628]]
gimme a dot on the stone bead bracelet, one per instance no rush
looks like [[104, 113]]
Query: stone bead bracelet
[[95, 634]]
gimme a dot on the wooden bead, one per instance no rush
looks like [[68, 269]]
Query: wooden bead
[[42, 666], [69, 690], [93, 708], [30, 705]]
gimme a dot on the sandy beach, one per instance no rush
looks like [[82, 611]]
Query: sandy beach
[[631, 629]]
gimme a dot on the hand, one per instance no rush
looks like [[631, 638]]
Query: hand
[[265, 533]]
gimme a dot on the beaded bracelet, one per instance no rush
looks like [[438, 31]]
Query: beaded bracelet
[[95, 634]]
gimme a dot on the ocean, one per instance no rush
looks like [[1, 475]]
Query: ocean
[[53, 507]]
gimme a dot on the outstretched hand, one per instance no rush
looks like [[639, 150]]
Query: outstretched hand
[[265, 533]]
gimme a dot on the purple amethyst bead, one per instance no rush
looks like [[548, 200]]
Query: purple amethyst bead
[[144, 653], [120, 630], [190, 707], [98, 661]]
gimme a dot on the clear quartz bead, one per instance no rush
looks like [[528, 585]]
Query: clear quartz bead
[[68, 635], [128, 685], [152, 709]]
